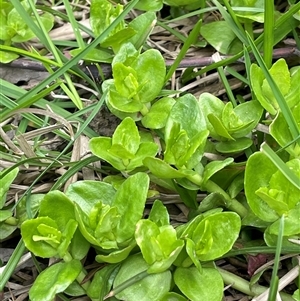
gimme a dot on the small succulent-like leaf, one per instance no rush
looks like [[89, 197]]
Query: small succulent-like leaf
[[55, 279], [207, 285]]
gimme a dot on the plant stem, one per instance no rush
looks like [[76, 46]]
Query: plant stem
[[231, 204], [243, 285]]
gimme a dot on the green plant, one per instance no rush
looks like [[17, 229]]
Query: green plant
[[179, 144]]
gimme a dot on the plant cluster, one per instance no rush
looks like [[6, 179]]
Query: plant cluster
[[181, 144]]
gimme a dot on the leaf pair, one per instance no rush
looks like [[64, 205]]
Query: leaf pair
[[126, 149]]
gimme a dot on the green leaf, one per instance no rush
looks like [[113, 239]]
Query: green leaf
[[249, 113], [159, 214], [159, 245], [89, 193], [213, 167], [265, 95], [103, 13], [46, 229], [6, 181], [207, 285], [130, 200], [185, 137], [151, 5], [280, 131], [171, 296], [100, 147], [55, 279], [150, 288], [219, 127], [125, 80], [127, 135], [232, 147], [209, 104], [101, 282], [161, 169], [151, 70], [146, 149], [116, 256], [48, 21], [291, 223], [259, 164], [5, 214], [215, 235], [143, 25], [157, 116], [58, 207], [220, 35]]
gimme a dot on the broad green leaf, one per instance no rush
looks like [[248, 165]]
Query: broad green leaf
[[130, 200], [115, 41], [100, 147], [259, 170], [171, 296], [101, 282], [281, 75], [219, 35], [55, 279], [117, 255], [211, 168], [191, 251], [5, 214], [127, 135], [232, 147], [6, 230], [47, 246], [103, 13], [159, 245], [196, 286], [161, 169], [5, 184], [67, 234], [186, 106], [219, 127], [79, 246], [7, 57], [125, 80], [149, 5], [33, 201], [219, 231], [209, 104], [249, 113], [146, 149], [292, 98], [48, 21], [150, 288], [58, 207], [245, 16], [89, 193], [159, 214], [291, 223], [145, 234], [279, 130], [121, 103], [157, 116], [143, 25], [151, 70]]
